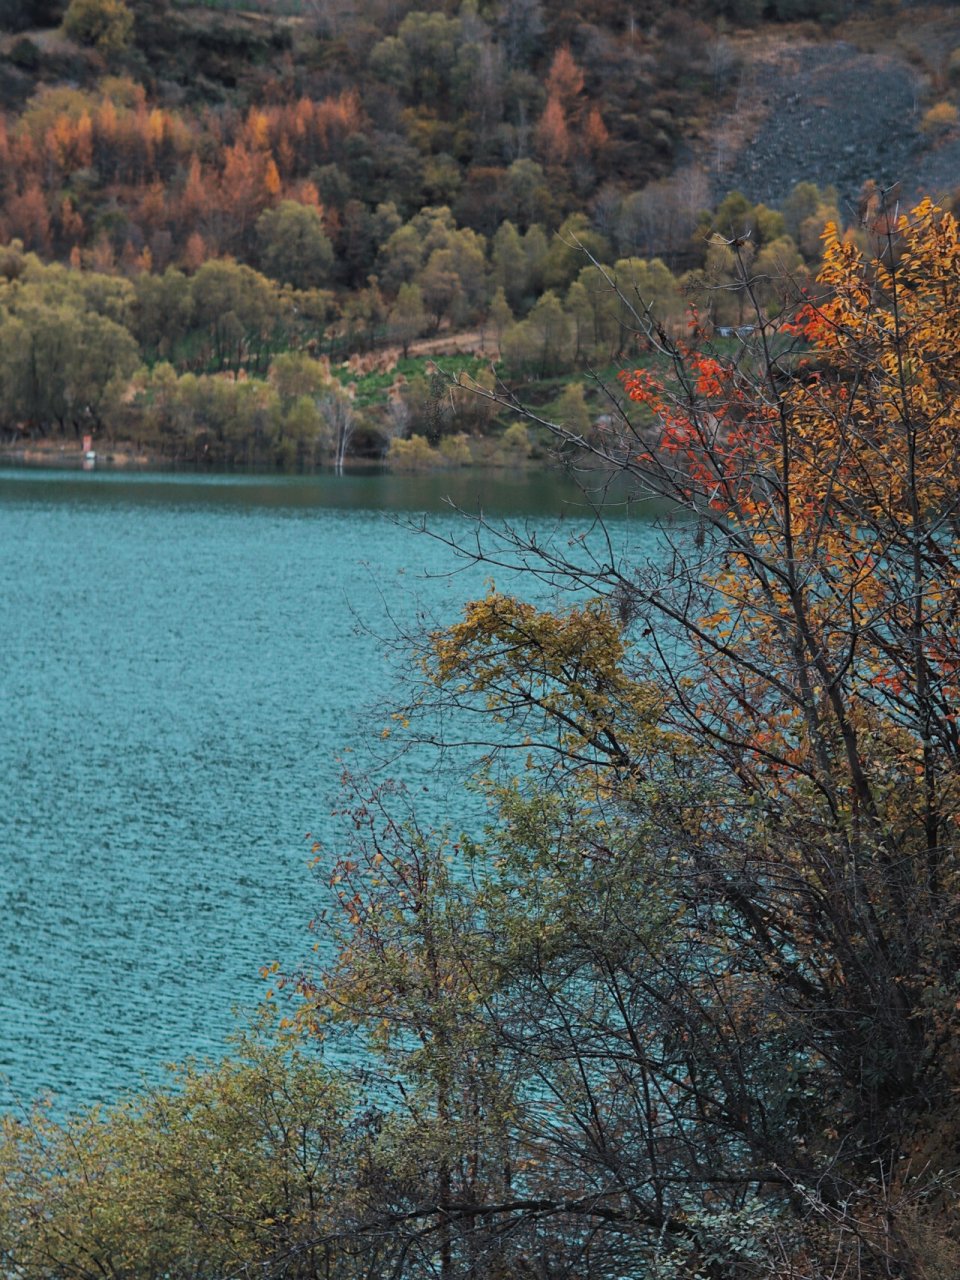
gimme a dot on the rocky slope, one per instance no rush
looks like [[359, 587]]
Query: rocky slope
[[837, 113]]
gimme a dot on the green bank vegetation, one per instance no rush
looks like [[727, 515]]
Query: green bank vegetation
[[228, 365]]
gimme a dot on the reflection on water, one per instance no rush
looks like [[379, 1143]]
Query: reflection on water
[[183, 658], [503, 491]]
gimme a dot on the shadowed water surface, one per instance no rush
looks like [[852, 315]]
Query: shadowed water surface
[[182, 660]]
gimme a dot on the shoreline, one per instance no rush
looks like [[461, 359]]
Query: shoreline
[[50, 455], [39, 453], [123, 458]]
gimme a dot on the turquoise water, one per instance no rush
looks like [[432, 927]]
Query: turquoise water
[[182, 660]]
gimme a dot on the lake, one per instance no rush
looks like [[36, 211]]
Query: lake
[[184, 661]]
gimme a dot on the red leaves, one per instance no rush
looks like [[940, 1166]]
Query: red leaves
[[713, 425]]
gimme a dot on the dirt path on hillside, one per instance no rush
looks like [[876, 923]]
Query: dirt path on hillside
[[473, 342]]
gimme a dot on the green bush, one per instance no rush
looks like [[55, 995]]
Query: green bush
[[25, 54], [415, 454], [105, 24]]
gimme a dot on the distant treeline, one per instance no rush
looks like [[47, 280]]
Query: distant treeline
[[227, 363]]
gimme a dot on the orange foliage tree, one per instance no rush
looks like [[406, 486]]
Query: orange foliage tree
[[553, 136], [569, 125], [144, 161], [725, 907], [564, 79], [830, 478]]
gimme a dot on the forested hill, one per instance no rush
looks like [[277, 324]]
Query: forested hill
[[405, 167], [513, 110]]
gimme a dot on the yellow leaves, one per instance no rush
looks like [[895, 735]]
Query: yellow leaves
[[714, 620], [519, 629], [831, 237], [719, 623], [570, 668], [869, 455], [402, 720]]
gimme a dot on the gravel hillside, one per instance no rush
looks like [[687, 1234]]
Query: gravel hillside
[[830, 112]]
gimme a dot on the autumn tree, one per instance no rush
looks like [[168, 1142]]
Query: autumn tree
[[712, 927], [570, 128], [407, 318], [799, 654], [294, 246], [553, 134], [107, 24]]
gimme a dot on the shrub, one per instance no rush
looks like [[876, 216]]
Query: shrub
[[25, 54], [415, 454], [939, 120], [516, 440], [106, 24], [456, 449]]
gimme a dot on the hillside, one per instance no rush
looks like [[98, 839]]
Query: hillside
[[385, 173]]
